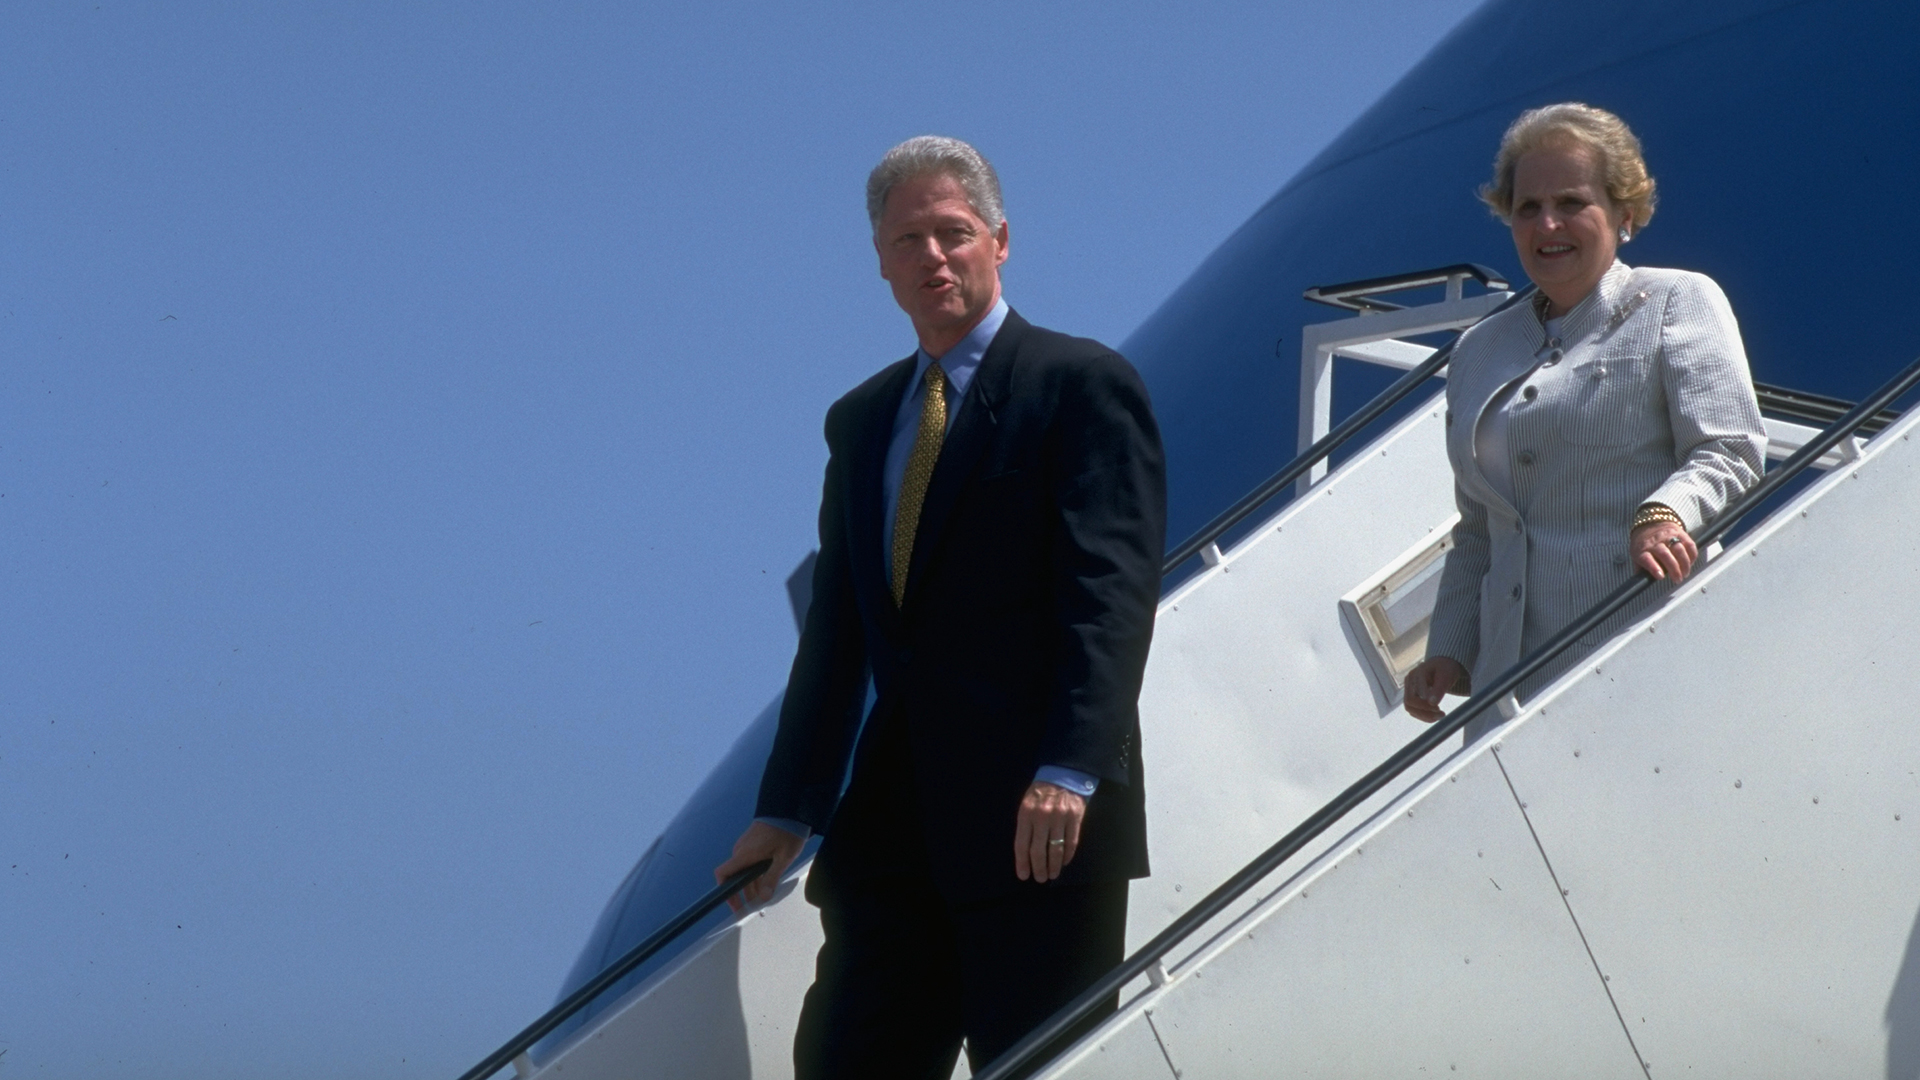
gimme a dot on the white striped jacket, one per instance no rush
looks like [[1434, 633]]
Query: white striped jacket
[[1648, 399]]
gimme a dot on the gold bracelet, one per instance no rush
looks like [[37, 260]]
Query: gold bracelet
[[1654, 514]]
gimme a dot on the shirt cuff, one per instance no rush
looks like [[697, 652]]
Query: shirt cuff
[[1081, 784], [798, 828]]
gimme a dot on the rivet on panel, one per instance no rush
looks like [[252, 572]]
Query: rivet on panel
[[1736, 783], [1563, 892], [1576, 753], [1816, 800], [1656, 768]]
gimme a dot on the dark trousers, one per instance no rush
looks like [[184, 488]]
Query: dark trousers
[[905, 976]]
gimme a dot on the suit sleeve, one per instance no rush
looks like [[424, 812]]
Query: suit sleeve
[[826, 690], [1719, 442], [1455, 630], [1108, 476]]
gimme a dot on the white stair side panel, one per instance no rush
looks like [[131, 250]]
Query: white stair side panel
[[724, 1011], [1128, 1051], [1256, 710], [1437, 946], [1740, 833]]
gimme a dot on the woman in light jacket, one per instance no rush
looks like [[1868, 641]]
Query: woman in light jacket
[[1591, 431]]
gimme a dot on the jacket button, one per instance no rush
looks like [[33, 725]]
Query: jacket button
[[1526, 457], [1554, 356], [1530, 393], [1517, 527], [1600, 372], [1516, 592]]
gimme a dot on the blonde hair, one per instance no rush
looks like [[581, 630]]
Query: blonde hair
[[1622, 168]]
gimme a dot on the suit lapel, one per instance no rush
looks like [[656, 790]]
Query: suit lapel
[[972, 432], [866, 504]]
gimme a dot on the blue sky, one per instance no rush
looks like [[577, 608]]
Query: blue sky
[[409, 415]]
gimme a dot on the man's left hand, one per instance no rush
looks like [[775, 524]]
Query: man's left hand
[[1049, 831]]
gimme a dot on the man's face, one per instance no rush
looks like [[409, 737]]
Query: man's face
[[940, 257]]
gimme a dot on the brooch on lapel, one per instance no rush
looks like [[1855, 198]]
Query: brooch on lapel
[[1625, 311]]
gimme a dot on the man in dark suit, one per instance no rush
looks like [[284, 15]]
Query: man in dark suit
[[990, 537]]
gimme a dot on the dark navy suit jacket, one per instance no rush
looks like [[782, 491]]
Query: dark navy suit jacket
[[1023, 636]]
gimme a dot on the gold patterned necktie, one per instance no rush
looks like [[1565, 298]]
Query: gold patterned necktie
[[913, 486]]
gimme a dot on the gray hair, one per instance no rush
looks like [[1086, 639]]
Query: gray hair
[[926, 154]]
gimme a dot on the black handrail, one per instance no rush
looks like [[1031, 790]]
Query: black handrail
[[634, 957], [1307, 831], [1327, 444]]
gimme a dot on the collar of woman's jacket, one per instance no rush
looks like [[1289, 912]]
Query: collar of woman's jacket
[[1611, 300]]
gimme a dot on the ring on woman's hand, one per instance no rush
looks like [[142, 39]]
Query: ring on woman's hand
[[1056, 840], [1672, 541]]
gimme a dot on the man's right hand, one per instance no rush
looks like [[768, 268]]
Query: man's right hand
[[760, 841]]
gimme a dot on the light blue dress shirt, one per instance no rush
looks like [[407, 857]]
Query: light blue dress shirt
[[960, 363]]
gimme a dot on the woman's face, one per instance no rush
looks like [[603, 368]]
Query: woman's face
[[1564, 226]]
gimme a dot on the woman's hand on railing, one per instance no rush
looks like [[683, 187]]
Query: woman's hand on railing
[[760, 841], [1663, 551], [1429, 680]]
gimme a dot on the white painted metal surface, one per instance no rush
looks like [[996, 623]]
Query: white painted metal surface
[[724, 1010], [1257, 707], [1696, 855]]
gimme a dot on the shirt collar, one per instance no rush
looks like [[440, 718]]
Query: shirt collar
[[961, 361]]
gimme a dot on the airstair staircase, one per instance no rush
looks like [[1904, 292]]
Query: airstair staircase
[[1696, 854]]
